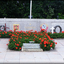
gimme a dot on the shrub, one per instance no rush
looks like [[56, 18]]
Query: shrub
[[15, 44], [19, 37], [56, 35]]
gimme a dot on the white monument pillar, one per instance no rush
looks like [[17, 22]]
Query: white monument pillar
[[52, 29], [30, 8]]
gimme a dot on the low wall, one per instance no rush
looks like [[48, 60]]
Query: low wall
[[31, 24]]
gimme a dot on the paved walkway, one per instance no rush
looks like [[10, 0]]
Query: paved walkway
[[55, 56]]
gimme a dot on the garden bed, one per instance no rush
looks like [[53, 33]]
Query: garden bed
[[17, 38]]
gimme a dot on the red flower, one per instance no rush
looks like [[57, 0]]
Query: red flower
[[39, 38], [27, 37], [10, 30], [40, 42], [50, 45], [35, 31], [42, 29], [62, 31], [13, 40], [23, 31], [18, 34], [20, 37], [45, 42], [16, 47], [2, 32], [48, 42], [16, 38], [35, 36], [51, 38], [23, 35], [0, 35], [20, 48], [12, 34], [45, 38], [44, 45], [9, 39], [17, 44], [26, 34], [6, 32], [56, 43]]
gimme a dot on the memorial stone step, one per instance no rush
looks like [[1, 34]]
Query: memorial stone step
[[31, 47]]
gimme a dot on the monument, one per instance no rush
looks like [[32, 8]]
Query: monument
[[31, 47], [52, 30]]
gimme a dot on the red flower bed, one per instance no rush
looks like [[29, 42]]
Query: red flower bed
[[19, 37]]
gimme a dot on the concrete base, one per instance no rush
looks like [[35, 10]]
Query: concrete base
[[31, 50]]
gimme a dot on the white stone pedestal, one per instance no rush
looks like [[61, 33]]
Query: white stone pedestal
[[31, 47]]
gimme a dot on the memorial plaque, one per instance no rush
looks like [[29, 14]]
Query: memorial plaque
[[31, 46], [16, 27], [44, 26], [30, 26]]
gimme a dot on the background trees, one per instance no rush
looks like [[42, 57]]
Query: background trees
[[40, 9]]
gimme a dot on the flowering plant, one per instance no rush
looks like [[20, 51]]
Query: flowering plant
[[19, 37]]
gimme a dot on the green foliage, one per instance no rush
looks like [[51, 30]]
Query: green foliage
[[47, 45], [61, 16], [15, 44], [56, 35], [40, 9], [3, 34]]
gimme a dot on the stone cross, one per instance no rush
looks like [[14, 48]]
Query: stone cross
[[52, 29], [6, 27]]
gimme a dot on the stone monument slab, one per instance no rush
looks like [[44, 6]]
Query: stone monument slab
[[31, 47]]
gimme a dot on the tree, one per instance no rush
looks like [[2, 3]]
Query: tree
[[40, 9]]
